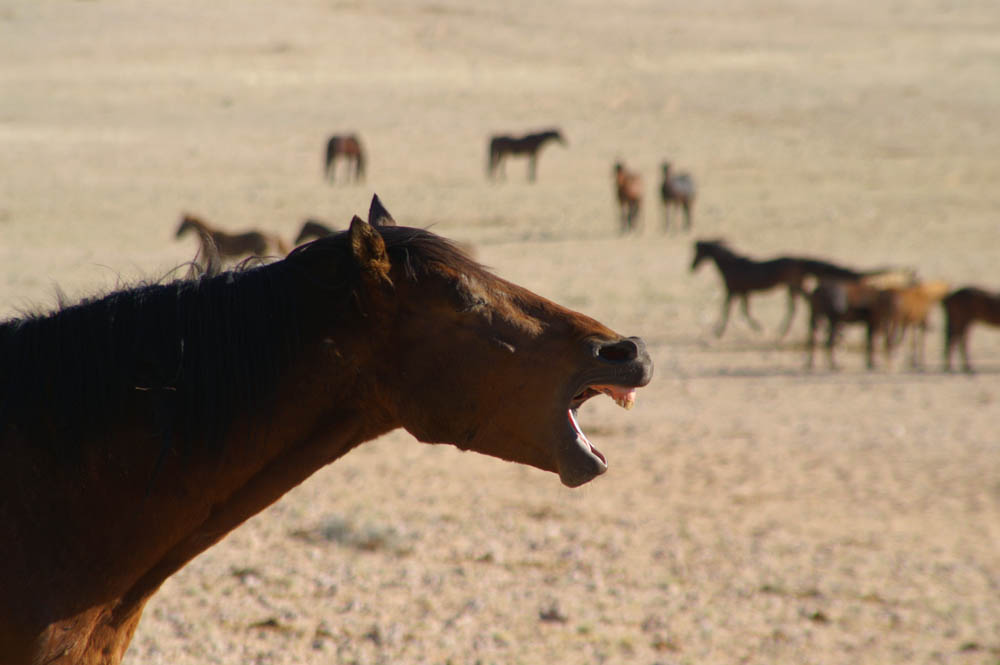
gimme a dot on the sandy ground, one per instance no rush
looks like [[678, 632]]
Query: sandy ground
[[753, 512]]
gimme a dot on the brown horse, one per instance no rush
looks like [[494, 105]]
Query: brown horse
[[628, 191], [839, 301], [743, 275], [232, 245], [348, 148], [677, 189], [503, 145], [312, 229], [962, 308], [139, 428]]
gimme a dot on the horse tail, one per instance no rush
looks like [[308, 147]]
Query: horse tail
[[491, 157], [331, 151]]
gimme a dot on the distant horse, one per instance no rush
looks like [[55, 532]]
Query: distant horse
[[743, 275], [232, 245], [677, 190], [502, 145], [913, 307], [839, 301], [348, 148], [962, 308], [628, 191], [312, 229], [139, 428]]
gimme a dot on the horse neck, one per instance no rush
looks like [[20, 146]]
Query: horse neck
[[196, 224], [722, 255]]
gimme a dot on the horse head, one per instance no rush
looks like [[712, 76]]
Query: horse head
[[470, 359], [188, 222], [704, 249]]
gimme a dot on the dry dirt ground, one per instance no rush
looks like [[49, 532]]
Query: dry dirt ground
[[753, 512]]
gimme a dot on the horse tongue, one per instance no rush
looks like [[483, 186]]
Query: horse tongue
[[581, 437], [623, 397]]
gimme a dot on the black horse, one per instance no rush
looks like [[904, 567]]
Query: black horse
[[502, 145], [311, 230], [840, 301], [743, 275]]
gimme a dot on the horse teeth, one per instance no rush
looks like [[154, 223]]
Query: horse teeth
[[626, 401]]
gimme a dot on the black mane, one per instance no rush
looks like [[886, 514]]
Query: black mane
[[187, 356]]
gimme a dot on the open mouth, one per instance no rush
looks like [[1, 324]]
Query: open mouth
[[588, 461]]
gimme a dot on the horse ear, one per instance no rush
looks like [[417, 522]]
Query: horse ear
[[369, 253], [378, 215]]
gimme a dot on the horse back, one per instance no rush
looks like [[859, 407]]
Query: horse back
[[971, 303]]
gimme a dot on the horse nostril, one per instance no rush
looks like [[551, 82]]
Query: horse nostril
[[617, 352]]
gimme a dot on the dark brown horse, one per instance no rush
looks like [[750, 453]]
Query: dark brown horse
[[348, 148], [628, 192], [139, 428], [503, 145], [677, 190], [839, 301], [743, 275], [962, 308], [231, 245], [312, 229]]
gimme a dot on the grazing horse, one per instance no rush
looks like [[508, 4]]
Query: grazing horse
[[743, 275], [312, 229], [348, 148], [231, 245], [677, 190], [628, 191], [962, 308], [913, 307], [141, 427], [840, 301], [502, 145]]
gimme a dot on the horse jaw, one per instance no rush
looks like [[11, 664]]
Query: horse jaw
[[580, 461]]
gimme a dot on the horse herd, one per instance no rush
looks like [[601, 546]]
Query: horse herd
[[890, 303], [676, 189]]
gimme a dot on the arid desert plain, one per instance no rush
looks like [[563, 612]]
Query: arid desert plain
[[753, 512]]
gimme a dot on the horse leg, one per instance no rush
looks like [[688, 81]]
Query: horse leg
[[917, 333], [955, 332], [811, 339], [789, 312], [870, 345], [949, 346], [745, 307], [687, 215], [963, 349], [831, 340], [666, 216], [532, 166], [720, 327]]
